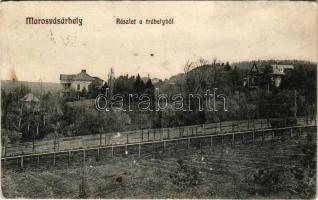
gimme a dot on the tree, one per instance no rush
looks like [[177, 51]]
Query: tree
[[149, 86], [93, 89], [124, 85], [227, 67], [139, 85], [150, 91], [111, 81], [234, 78], [103, 88]]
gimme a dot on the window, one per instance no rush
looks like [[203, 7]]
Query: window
[[78, 87]]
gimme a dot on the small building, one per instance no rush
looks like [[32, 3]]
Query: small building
[[252, 78], [279, 71], [78, 82], [255, 77], [30, 101]]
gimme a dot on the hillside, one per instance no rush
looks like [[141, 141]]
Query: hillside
[[274, 169], [246, 65], [35, 87]]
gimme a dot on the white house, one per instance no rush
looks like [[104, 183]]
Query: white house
[[279, 71], [78, 82]]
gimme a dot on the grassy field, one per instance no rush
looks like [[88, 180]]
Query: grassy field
[[245, 171]]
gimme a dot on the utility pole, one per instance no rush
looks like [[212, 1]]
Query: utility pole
[[41, 91], [295, 103]]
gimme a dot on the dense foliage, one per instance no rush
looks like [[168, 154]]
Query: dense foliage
[[296, 96]]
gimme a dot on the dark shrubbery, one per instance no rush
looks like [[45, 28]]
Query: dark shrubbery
[[293, 180], [185, 175]]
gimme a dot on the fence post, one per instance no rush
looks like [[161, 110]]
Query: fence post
[[98, 157], [164, 146], [243, 138], [127, 141], [222, 139], [142, 135], [100, 139], [84, 155], [211, 140], [299, 131], [148, 133], [253, 135], [139, 149], [54, 142], [233, 140], [291, 132], [54, 159], [154, 134], [21, 164], [112, 151], [69, 157], [33, 145], [38, 161], [189, 143], [168, 133], [263, 136], [4, 163]]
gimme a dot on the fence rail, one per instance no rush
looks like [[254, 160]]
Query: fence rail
[[164, 145], [108, 139]]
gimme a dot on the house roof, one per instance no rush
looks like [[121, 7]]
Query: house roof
[[254, 70], [67, 77], [284, 66], [82, 76], [30, 98]]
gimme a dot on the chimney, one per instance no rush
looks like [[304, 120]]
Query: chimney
[[84, 70]]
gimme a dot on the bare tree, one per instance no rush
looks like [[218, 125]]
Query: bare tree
[[194, 77]]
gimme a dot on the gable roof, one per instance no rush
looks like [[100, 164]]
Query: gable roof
[[254, 70], [30, 98], [283, 66], [82, 76], [66, 77]]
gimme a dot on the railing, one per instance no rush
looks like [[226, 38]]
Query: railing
[[138, 147], [107, 139]]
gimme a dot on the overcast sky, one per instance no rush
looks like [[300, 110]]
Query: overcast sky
[[228, 31]]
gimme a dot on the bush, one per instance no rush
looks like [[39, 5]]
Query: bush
[[288, 181], [185, 175]]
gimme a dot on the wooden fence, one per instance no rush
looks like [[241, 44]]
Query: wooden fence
[[140, 148], [108, 139]]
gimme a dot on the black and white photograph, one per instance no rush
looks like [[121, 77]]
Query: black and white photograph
[[158, 99]]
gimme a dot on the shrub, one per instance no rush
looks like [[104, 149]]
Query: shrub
[[185, 175]]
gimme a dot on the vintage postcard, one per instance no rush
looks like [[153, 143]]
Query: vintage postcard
[[158, 99]]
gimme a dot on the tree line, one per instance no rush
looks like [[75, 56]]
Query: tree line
[[54, 117]]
